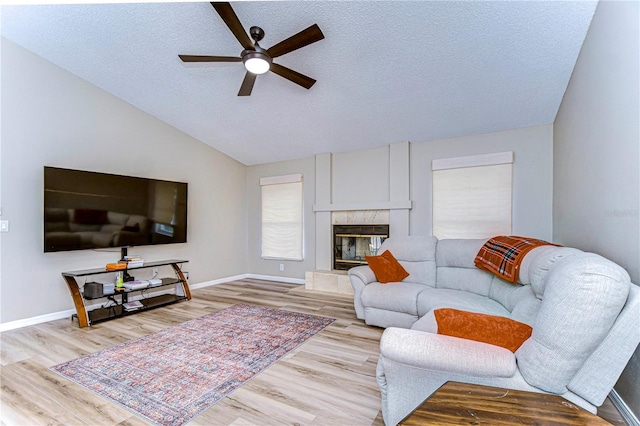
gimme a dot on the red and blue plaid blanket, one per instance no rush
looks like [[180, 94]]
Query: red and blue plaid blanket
[[502, 255]]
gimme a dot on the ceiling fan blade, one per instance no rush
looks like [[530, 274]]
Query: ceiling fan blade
[[293, 76], [247, 84], [302, 39], [231, 19], [202, 58]]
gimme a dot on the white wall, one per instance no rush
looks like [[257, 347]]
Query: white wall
[[532, 176], [51, 117], [596, 194]]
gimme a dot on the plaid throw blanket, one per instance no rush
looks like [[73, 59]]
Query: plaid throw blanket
[[502, 255]]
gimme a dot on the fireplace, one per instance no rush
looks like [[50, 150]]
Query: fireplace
[[351, 243]]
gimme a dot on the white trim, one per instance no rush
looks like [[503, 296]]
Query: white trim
[[623, 409], [216, 282], [251, 276], [277, 180], [12, 325], [276, 278], [472, 161], [385, 205]]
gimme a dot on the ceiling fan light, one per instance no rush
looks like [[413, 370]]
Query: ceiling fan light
[[256, 65], [256, 62]]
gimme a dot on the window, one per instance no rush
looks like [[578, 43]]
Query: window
[[282, 217], [472, 196]]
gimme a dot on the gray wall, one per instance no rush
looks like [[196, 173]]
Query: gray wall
[[532, 176], [51, 117], [533, 183], [596, 189], [292, 269], [360, 176]]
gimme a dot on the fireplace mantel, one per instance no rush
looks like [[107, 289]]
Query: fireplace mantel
[[387, 205]]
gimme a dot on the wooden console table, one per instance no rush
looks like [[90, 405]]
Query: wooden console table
[[462, 403], [87, 318]]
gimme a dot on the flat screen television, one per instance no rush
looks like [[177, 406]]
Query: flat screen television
[[91, 210]]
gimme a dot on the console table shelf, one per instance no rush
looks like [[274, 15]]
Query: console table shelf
[[89, 317]]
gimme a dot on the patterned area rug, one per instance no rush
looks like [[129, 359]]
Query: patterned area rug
[[171, 376]]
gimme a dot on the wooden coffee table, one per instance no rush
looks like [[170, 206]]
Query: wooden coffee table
[[462, 403]]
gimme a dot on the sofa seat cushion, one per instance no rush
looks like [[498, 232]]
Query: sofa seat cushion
[[398, 297], [432, 298], [62, 239]]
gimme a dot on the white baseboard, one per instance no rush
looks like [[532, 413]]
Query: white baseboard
[[12, 325], [218, 281], [275, 278], [623, 409]]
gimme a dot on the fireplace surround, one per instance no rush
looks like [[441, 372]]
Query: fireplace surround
[[351, 243]]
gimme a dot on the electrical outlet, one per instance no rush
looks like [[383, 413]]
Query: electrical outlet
[[282, 267], [4, 226]]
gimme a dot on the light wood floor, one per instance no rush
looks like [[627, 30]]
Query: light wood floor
[[329, 380]]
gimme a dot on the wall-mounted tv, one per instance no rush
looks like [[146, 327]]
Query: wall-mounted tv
[[91, 210]]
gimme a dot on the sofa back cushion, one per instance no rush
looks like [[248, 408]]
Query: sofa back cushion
[[57, 220], [117, 218], [82, 227], [506, 293], [538, 263], [456, 270], [137, 223], [521, 299], [386, 267], [527, 307], [416, 254], [583, 295]]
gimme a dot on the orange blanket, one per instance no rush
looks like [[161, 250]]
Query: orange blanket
[[502, 255]]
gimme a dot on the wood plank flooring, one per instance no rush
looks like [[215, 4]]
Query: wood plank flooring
[[329, 380]]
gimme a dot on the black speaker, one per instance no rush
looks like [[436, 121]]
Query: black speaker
[[92, 290]]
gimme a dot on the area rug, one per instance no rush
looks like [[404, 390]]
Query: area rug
[[171, 376]]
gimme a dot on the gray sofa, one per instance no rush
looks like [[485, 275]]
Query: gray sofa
[[582, 307], [70, 229]]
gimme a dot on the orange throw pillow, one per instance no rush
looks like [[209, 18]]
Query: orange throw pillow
[[386, 268], [495, 330]]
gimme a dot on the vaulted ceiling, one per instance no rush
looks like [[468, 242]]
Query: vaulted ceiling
[[387, 71]]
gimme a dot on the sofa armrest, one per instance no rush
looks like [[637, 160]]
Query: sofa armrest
[[445, 353], [363, 273], [359, 277]]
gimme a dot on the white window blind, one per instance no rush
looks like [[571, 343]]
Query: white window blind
[[282, 217], [472, 196]]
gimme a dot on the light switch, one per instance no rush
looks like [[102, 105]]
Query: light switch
[[4, 226]]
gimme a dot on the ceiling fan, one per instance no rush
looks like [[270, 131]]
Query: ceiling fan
[[256, 59]]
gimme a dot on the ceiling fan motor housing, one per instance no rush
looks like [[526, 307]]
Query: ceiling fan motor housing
[[257, 33]]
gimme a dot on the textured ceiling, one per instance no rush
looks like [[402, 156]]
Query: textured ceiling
[[387, 71]]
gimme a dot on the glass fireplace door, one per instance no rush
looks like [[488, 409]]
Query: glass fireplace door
[[352, 243]]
